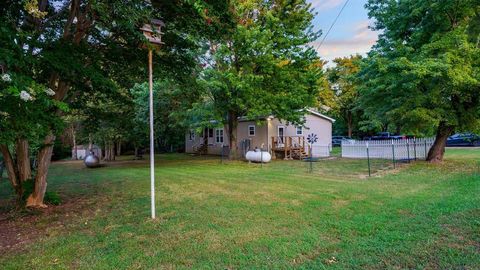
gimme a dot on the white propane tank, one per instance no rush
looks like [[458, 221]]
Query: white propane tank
[[258, 156]]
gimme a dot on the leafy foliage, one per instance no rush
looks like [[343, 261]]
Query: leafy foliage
[[424, 71], [83, 50], [27, 110], [264, 65], [171, 101], [340, 97]]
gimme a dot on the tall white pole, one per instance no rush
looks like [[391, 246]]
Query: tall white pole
[[152, 151]]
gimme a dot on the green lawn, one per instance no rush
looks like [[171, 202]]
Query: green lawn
[[243, 216]]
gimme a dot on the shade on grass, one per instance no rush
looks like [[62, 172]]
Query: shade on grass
[[279, 216]]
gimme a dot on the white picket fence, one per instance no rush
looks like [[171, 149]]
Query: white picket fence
[[388, 149]]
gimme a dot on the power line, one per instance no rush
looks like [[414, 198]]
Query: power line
[[333, 23]]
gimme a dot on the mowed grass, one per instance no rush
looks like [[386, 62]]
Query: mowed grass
[[276, 216]]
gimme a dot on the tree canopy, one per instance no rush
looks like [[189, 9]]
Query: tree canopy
[[339, 97], [264, 65], [56, 54], [424, 70]]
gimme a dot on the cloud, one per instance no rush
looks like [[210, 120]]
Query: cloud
[[322, 5], [358, 41]]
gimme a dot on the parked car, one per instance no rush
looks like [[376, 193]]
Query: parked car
[[387, 136], [337, 140], [463, 139]]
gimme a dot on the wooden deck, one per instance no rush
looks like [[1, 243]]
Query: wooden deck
[[292, 147]]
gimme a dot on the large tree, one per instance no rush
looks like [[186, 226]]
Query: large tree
[[78, 47], [424, 70], [342, 94], [171, 102], [264, 65]]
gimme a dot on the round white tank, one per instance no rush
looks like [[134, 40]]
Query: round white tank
[[258, 156]]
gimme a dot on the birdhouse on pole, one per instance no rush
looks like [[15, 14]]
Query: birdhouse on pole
[[153, 31]]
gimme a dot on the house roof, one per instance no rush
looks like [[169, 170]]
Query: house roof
[[311, 111], [321, 115], [245, 119]]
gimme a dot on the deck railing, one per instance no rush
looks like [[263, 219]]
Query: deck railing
[[287, 142]]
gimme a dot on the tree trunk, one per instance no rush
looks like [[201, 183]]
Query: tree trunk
[[90, 142], [119, 148], [232, 135], [23, 160], [398, 129], [44, 156], [109, 151], [105, 152], [435, 154], [112, 151], [349, 124], [74, 140], [11, 170]]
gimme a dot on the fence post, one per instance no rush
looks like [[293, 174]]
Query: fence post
[[368, 161], [408, 152], [415, 148], [341, 149], [393, 154]]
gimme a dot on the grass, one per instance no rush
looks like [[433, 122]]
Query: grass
[[243, 216]]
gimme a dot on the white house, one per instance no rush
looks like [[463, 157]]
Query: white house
[[276, 136], [82, 151]]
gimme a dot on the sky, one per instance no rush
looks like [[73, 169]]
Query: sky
[[350, 34]]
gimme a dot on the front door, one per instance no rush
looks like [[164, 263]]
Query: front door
[[281, 131]]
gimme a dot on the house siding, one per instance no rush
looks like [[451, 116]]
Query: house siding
[[319, 126], [263, 134], [260, 134], [214, 148]]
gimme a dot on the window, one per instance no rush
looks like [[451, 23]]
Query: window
[[210, 132], [219, 135], [299, 130], [251, 130], [191, 135]]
